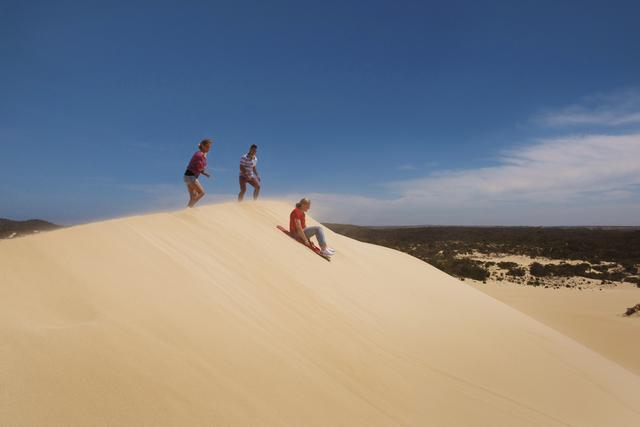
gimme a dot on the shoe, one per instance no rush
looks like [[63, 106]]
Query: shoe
[[333, 251], [325, 252]]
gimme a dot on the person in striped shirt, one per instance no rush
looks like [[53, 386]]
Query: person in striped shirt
[[249, 173]]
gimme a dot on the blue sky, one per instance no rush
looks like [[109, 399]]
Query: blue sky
[[384, 112]]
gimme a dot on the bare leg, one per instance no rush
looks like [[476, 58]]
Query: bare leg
[[256, 189], [198, 197], [196, 191], [192, 194], [243, 189]]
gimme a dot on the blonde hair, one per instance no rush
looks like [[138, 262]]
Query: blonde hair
[[303, 201]]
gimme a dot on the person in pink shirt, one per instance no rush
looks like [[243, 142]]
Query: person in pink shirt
[[197, 166]]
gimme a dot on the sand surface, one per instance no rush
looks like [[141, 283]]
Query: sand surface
[[590, 316], [212, 317]]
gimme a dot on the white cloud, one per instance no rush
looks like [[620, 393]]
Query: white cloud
[[576, 116], [594, 177], [555, 169], [616, 109]]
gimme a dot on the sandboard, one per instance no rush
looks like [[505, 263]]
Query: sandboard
[[313, 247]]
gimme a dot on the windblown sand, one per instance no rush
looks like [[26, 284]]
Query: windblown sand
[[212, 317]]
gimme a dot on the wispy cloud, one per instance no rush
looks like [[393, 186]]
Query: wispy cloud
[[587, 178], [620, 108], [556, 169], [596, 178]]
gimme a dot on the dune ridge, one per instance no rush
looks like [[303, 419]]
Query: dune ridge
[[211, 316]]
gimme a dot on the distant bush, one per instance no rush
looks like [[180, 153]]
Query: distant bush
[[536, 269], [462, 268], [516, 272], [574, 270], [601, 268], [534, 282], [507, 265], [616, 276], [513, 268], [562, 270]]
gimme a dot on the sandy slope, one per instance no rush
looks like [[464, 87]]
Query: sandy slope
[[213, 317], [591, 316]]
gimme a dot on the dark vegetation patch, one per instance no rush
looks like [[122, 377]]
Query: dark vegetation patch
[[570, 270], [462, 267], [507, 265], [516, 272], [609, 254], [632, 310], [11, 229], [635, 280]]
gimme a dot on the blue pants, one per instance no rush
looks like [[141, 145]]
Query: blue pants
[[316, 231]]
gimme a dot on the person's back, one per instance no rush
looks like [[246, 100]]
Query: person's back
[[298, 214]]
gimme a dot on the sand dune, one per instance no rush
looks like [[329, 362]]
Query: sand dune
[[212, 317], [591, 316]]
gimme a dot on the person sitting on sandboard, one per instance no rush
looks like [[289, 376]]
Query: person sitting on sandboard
[[299, 229]]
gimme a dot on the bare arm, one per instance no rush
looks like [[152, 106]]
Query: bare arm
[[202, 166], [255, 171], [301, 234]]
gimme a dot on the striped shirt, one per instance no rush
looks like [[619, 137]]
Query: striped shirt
[[247, 164]]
